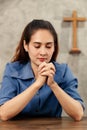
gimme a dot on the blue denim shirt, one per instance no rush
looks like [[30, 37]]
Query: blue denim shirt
[[18, 77]]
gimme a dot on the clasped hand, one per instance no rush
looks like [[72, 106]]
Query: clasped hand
[[46, 73]]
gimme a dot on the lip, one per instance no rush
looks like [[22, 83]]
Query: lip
[[42, 59]]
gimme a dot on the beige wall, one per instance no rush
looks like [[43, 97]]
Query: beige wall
[[15, 14]]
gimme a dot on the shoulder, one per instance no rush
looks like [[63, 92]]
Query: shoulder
[[13, 67], [60, 67], [63, 70], [18, 70]]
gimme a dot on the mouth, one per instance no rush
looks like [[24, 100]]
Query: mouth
[[42, 59]]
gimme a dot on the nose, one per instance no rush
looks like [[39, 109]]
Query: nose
[[43, 51]]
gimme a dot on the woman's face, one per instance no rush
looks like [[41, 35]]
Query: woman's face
[[40, 47]]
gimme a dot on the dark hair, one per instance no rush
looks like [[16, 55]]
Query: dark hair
[[20, 54]]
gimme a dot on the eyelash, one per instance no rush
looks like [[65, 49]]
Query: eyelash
[[48, 46], [39, 46]]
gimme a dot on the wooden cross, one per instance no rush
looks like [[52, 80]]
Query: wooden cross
[[75, 20]]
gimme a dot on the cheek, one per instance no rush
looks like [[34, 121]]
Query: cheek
[[51, 52], [33, 52]]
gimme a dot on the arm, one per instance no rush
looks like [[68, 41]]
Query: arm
[[7, 111], [71, 106], [14, 106]]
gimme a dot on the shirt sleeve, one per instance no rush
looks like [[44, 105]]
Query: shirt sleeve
[[71, 84], [8, 89]]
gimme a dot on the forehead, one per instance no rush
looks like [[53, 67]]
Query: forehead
[[42, 33]]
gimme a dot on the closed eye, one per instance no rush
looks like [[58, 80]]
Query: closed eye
[[37, 44], [48, 46]]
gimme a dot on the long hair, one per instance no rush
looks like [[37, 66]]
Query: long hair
[[20, 54]]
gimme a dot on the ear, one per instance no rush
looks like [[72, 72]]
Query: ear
[[25, 46]]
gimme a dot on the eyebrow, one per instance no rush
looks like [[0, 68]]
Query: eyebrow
[[42, 43]]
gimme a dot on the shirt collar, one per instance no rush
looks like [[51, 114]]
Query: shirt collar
[[24, 71], [21, 71]]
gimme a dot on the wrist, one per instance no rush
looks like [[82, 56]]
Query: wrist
[[53, 84], [39, 83]]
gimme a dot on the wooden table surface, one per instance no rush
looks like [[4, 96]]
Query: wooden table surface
[[65, 123]]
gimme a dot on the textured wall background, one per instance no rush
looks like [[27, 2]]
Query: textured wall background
[[15, 14]]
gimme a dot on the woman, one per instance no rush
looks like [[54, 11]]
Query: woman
[[34, 84]]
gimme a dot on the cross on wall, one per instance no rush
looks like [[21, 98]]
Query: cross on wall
[[74, 19]]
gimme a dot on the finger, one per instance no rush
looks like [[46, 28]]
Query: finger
[[41, 66], [48, 73], [48, 68], [44, 69], [51, 66]]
